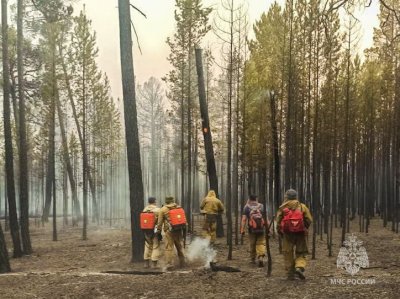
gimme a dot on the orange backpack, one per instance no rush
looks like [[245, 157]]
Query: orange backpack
[[177, 219], [147, 221]]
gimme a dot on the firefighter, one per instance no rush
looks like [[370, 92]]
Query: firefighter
[[211, 206], [293, 221], [253, 217], [173, 237], [152, 242]]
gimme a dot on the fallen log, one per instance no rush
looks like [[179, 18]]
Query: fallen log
[[216, 268], [134, 272]]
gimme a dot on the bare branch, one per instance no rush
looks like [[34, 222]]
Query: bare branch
[[390, 9], [137, 9], [137, 38]]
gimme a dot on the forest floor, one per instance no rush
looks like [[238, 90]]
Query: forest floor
[[72, 268]]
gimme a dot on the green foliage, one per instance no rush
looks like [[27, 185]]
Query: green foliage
[[91, 88]]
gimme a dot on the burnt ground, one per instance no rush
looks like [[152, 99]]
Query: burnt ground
[[72, 268]]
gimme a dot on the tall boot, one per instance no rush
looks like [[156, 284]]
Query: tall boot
[[154, 264]]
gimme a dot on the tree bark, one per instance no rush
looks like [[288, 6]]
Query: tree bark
[[79, 130], [14, 227], [50, 174], [131, 129], [23, 144], [4, 261], [67, 161], [208, 145], [277, 160]]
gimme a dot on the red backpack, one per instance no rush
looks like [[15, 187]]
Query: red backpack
[[292, 221], [177, 219], [147, 221]]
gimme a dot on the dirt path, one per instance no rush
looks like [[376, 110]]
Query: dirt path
[[71, 268]]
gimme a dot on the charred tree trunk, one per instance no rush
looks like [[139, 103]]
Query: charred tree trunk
[[277, 160], [50, 174], [289, 180], [229, 144], [14, 227], [4, 262], [85, 162], [131, 129], [23, 144], [54, 205], [208, 145], [188, 199], [345, 147]]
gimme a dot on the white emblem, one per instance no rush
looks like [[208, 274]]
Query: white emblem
[[353, 256]]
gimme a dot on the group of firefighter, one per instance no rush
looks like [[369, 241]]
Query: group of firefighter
[[293, 220]]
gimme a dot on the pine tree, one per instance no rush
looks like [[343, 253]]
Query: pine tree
[[131, 129], [14, 227], [23, 146], [191, 26]]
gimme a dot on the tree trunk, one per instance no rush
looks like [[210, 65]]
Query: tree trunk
[[4, 262], [68, 163], [23, 144], [289, 180], [208, 145], [345, 145], [52, 127], [188, 199], [54, 205], [14, 227], [131, 129], [229, 143], [65, 195], [79, 130], [85, 162], [277, 160]]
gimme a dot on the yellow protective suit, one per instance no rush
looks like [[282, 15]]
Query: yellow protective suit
[[294, 245], [257, 241], [172, 238], [151, 245], [211, 206]]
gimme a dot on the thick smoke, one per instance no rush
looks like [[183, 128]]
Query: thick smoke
[[200, 250]]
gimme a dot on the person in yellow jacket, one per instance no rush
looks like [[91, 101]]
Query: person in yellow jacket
[[152, 243], [294, 241], [172, 238], [211, 206], [252, 217]]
